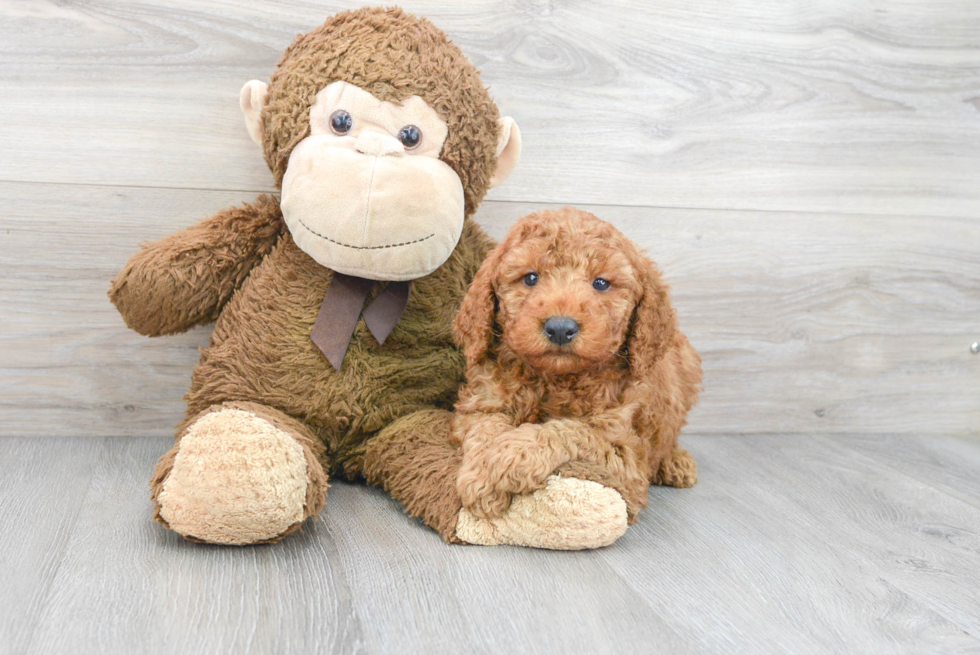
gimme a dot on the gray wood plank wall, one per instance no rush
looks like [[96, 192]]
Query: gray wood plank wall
[[806, 173]]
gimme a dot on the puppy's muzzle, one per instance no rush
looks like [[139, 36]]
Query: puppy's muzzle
[[560, 329]]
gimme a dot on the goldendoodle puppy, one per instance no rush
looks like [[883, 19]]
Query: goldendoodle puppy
[[575, 367]]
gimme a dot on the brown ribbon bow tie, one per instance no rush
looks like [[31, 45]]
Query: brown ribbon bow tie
[[341, 308]]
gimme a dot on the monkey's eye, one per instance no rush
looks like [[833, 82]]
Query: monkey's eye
[[531, 279], [410, 136], [600, 284], [341, 122]]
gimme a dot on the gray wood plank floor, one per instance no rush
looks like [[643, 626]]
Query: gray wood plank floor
[[789, 544]]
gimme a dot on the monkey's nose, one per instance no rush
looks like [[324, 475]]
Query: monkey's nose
[[560, 329], [378, 145]]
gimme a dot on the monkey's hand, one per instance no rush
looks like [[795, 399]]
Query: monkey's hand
[[185, 279]]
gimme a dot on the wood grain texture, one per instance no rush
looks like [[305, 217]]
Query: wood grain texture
[[947, 463], [806, 322], [472, 599], [806, 546], [43, 485], [830, 106], [787, 544], [125, 585]]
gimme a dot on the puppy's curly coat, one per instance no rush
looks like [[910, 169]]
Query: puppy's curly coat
[[605, 400]]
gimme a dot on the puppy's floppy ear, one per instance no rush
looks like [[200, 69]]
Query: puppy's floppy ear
[[654, 321], [473, 325]]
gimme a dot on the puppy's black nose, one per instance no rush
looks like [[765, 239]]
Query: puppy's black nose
[[560, 329]]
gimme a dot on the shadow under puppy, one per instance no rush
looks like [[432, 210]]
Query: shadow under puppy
[[578, 384]]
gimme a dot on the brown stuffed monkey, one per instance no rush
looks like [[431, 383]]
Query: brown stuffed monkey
[[332, 351]]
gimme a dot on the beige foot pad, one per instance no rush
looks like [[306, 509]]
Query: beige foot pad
[[237, 479], [567, 514]]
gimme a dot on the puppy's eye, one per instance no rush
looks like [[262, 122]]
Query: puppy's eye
[[531, 279], [341, 122], [410, 136], [599, 284]]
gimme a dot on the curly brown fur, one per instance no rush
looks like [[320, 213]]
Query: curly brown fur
[[415, 462], [185, 279], [261, 351], [616, 396]]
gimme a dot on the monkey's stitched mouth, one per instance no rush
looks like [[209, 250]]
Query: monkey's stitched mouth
[[347, 245]]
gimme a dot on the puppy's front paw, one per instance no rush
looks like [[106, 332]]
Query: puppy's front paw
[[567, 514], [515, 463], [678, 469], [479, 493]]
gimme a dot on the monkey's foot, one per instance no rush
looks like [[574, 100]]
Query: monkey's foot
[[567, 514], [235, 479]]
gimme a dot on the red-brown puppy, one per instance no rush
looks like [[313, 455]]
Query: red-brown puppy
[[575, 365]]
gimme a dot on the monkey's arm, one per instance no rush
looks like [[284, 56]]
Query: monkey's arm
[[185, 279]]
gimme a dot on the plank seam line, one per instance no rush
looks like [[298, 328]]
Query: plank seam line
[[966, 500], [272, 191]]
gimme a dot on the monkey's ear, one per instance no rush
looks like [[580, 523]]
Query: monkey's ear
[[252, 100], [473, 325], [508, 150]]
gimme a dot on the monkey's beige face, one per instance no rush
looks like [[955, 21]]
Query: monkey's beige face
[[366, 194]]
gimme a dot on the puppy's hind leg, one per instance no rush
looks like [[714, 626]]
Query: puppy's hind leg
[[678, 469]]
